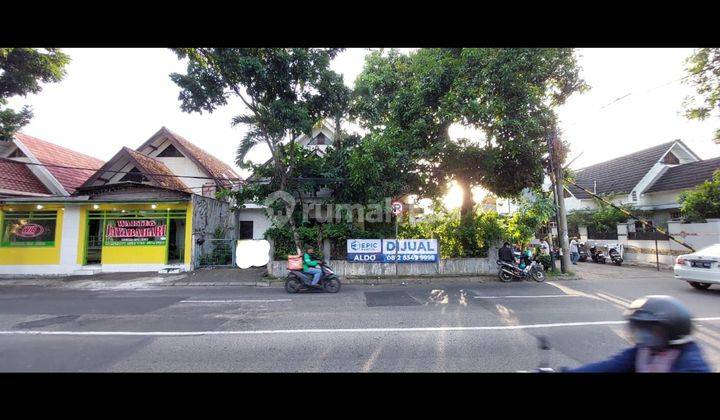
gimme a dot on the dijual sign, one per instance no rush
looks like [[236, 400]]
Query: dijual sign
[[387, 250]]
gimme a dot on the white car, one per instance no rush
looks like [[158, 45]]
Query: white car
[[701, 269]]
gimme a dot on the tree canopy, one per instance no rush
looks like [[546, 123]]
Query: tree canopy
[[286, 91], [703, 201], [703, 68], [408, 103], [21, 72]]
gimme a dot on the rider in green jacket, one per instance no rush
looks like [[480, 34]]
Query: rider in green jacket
[[310, 266]]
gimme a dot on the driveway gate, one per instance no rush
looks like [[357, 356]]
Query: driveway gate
[[215, 253]]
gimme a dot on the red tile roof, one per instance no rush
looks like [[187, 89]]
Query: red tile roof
[[17, 177], [214, 166], [52, 154], [163, 176]]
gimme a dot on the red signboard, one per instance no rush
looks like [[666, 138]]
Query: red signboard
[[30, 230]]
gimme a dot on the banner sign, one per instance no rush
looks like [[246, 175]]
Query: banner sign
[[29, 232], [135, 232], [385, 250]]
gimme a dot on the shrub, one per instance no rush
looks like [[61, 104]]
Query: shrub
[[702, 202]]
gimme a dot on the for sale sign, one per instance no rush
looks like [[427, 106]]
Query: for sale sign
[[391, 250], [135, 232]]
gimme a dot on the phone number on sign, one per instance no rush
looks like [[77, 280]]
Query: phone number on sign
[[410, 258]]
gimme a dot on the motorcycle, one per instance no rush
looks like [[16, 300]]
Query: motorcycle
[[297, 281], [615, 255], [509, 272], [582, 251], [597, 255]]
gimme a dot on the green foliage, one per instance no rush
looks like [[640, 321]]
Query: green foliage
[[408, 102], [703, 201], [459, 236], [545, 260], [531, 216], [703, 68], [21, 72], [604, 219]]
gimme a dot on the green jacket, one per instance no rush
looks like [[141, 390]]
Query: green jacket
[[308, 261]]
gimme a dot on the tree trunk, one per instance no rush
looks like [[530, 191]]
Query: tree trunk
[[562, 219], [467, 201]]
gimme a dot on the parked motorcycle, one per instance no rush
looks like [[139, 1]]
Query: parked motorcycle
[[615, 256], [597, 255], [297, 281], [509, 272], [582, 250]]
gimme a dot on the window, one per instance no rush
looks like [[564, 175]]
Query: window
[[36, 228], [634, 196], [134, 175], [246, 229], [675, 215], [320, 139], [17, 154], [670, 159], [170, 151]]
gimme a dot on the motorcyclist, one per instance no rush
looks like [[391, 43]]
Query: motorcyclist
[[661, 328], [505, 254], [310, 266]]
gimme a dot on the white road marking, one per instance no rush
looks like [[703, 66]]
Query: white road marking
[[320, 331], [237, 301], [519, 296]]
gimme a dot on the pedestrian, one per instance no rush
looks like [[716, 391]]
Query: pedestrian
[[574, 251], [544, 247]]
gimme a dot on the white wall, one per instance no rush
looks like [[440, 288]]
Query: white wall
[[697, 235], [261, 222]]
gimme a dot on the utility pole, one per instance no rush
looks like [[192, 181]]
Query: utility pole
[[557, 178]]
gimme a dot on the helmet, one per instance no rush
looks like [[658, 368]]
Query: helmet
[[665, 312]]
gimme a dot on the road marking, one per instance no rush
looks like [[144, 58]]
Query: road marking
[[518, 296], [321, 331], [237, 301]]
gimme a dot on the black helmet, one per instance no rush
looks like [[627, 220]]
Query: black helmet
[[665, 311]]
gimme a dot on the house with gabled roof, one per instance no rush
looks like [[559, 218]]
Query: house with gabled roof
[[153, 208], [32, 167], [650, 179]]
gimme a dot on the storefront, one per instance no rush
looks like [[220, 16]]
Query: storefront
[[89, 234]]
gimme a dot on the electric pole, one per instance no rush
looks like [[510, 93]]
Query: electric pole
[[557, 178]]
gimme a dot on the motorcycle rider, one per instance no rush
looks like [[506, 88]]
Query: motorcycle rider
[[505, 254], [661, 328], [310, 265]]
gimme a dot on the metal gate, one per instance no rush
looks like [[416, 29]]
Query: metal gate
[[215, 253]]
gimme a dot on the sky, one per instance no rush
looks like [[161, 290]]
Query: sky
[[112, 98]]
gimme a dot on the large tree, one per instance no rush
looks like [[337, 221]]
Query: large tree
[[408, 103], [285, 92], [21, 72], [703, 67]]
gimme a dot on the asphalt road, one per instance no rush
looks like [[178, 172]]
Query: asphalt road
[[448, 327]]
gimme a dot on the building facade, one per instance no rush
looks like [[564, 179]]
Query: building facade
[[146, 209]]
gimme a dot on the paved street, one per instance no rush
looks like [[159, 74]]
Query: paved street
[[439, 327]]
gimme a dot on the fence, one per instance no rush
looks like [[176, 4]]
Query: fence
[[216, 253], [647, 236], [599, 234], [447, 267]]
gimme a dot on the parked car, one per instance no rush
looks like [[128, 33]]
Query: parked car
[[701, 269]]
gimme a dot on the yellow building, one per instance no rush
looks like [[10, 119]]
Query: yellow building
[[138, 212]]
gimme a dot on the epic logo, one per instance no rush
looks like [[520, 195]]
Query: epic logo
[[30, 230]]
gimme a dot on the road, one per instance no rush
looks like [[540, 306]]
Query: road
[[443, 327]]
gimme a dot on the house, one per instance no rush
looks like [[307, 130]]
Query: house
[[253, 220], [146, 209], [651, 180], [42, 172]]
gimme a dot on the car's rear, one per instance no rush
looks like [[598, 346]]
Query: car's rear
[[701, 269]]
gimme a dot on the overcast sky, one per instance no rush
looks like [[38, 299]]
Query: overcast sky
[[119, 97]]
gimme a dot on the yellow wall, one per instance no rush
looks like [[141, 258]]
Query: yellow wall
[[128, 254], [155, 254], [82, 238], [188, 234], [40, 255]]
